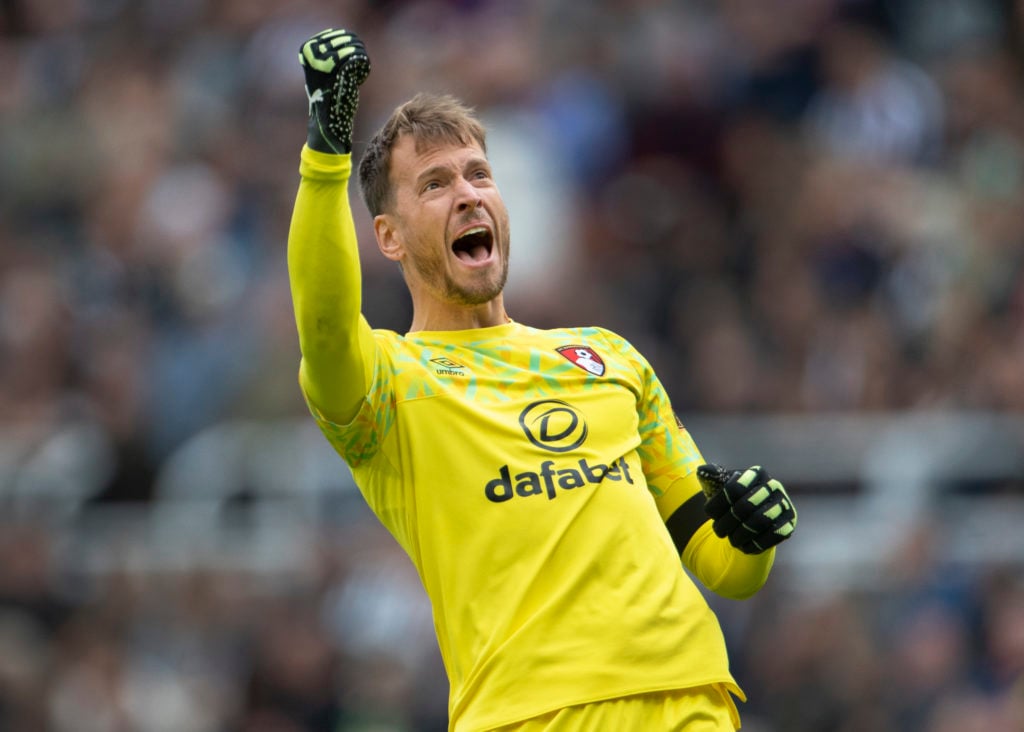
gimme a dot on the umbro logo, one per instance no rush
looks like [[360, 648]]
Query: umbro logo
[[446, 367]]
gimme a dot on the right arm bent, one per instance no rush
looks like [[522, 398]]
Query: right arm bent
[[323, 265]]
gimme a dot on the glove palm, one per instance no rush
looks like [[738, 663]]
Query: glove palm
[[335, 63]]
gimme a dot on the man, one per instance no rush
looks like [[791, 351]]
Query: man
[[538, 480]]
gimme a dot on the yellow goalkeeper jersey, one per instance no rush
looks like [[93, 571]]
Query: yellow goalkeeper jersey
[[521, 470]]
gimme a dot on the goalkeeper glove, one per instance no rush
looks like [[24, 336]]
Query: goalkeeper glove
[[335, 64], [750, 508]]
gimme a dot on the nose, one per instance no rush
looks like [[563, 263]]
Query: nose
[[467, 196]]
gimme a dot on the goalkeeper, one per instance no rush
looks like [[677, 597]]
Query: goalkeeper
[[538, 479]]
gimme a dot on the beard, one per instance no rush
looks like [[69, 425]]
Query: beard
[[483, 287], [482, 290]]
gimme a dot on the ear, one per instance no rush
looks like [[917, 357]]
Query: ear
[[388, 239]]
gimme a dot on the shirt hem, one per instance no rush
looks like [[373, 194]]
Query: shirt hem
[[490, 724]]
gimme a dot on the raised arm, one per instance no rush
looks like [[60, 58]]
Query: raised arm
[[323, 258]]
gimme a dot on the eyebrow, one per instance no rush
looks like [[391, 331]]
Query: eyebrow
[[433, 171], [442, 170], [478, 162]]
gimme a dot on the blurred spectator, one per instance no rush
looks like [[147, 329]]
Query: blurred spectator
[[806, 207]]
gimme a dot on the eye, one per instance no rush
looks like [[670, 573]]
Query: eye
[[431, 186]]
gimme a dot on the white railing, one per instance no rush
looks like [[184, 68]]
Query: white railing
[[862, 483]]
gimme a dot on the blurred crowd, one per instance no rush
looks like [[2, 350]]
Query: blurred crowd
[[343, 642], [795, 206]]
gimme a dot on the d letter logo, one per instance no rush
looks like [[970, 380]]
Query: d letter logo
[[553, 425]]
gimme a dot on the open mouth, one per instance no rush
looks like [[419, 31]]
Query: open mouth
[[474, 245]]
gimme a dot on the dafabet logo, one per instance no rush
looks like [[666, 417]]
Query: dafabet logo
[[554, 426]]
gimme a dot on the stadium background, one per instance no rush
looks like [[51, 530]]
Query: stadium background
[[808, 213]]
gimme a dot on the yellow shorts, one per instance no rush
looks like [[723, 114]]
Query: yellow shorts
[[700, 709]]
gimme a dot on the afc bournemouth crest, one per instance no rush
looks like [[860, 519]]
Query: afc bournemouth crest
[[584, 357]]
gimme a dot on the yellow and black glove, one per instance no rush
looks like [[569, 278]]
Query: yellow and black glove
[[748, 507], [335, 63]]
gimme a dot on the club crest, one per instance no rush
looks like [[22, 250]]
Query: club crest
[[584, 357]]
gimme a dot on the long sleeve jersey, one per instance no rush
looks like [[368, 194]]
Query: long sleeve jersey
[[528, 474]]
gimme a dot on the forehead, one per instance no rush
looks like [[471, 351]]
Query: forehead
[[409, 159]]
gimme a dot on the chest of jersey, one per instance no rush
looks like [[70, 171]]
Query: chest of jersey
[[489, 447], [536, 418]]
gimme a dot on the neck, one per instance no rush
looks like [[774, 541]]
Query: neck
[[445, 316]]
